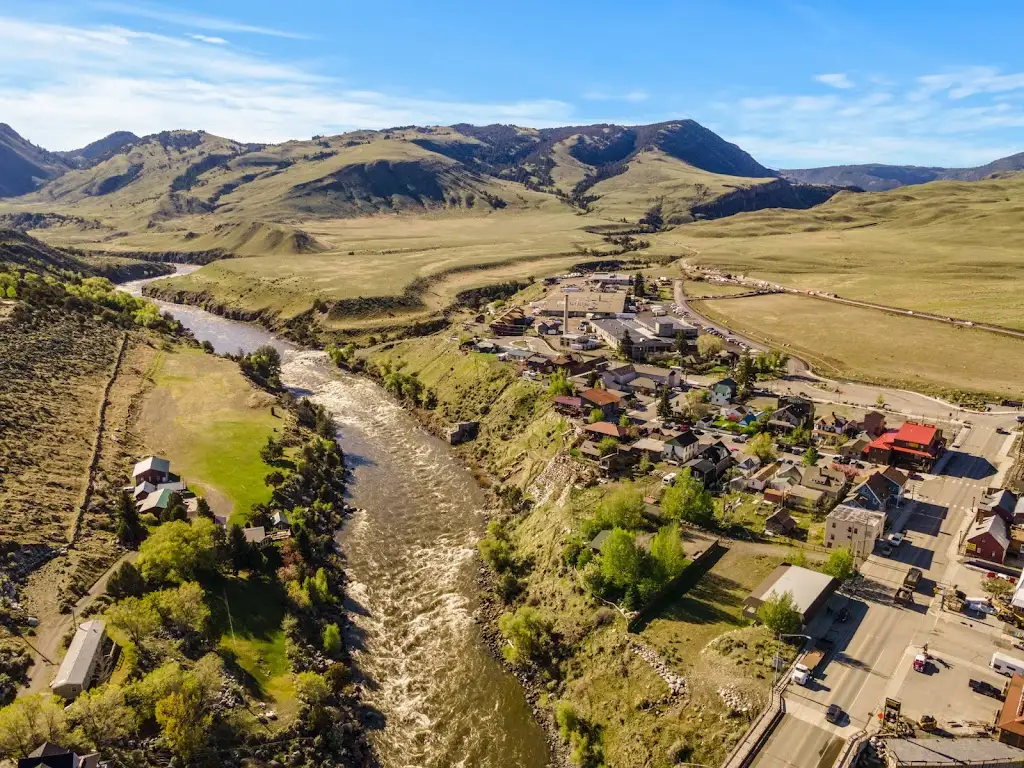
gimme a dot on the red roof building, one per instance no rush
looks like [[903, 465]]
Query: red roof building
[[913, 445], [607, 401], [606, 429]]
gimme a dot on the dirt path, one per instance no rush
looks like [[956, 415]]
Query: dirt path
[[45, 645]]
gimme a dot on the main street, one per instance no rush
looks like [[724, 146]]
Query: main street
[[872, 651]]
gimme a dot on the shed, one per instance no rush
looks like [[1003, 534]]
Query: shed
[[809, 589], [79, 665]]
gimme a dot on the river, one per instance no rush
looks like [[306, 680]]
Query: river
[[443, 699]]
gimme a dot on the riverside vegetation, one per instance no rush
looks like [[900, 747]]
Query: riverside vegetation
[[207, 624]]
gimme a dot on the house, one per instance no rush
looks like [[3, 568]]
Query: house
[[589, 449], [569, 406], [913, 445], [876, 493], [787, 478], [618, 461], [607, 402], [854, 448], [802, 497], [156, 502], [873, 424], [682, 447], [279, 519], [748, 464], [1000, 502], [780, 523], [741, 414], [538, 363], [78, 668], [601, 429], [142, 490], [574, 364], [644, 385], [257, 536], [760, 479], [710, 462], [792, 412], [722, 392], [987, 539], [809, 589], [152, 470], [830, 482], [653, 449], [854, 528], [663, 377], [833, 425], [48, 755]]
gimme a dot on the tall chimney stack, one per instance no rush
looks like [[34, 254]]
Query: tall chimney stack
[[565, 322]]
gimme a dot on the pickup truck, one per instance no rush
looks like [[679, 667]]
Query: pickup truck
[[986, 689], [912, 579], [804, 672]]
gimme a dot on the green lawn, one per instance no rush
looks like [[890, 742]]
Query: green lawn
[[211, 423], [246, 616]]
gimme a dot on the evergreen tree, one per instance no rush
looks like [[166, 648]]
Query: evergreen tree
[[664, 405]]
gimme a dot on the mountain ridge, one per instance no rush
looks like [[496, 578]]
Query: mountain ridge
[[879, 177]]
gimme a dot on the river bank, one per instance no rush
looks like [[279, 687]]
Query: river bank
[[413, 599]]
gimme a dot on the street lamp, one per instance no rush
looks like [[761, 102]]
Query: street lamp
[[775, 665]]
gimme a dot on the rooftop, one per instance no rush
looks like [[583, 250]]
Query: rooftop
[[598, 302], [912, 432], [993, 525], [952, 751], [75, 668], [606, 428], [805, 585], [649, 444], [599, 396], [844, 513], [152, 463]]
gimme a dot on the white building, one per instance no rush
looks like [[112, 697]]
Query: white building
[[79, 665], [855, 528]]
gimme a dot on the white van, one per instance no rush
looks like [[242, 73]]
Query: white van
[[1007, 665], [669, 479]]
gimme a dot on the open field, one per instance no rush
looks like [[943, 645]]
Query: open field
[[381, 256], [953, 248], [702, 289], [869, 345], [211, 423]]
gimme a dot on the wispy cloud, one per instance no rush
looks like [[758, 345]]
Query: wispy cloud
[[970, 81], [836, 80], [192, 20], [634, 96], [63, 86], [209, 39]]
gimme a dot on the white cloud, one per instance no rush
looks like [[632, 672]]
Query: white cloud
[[193, 20], [209, 39], [962, 83], [64, 86], [837, 80]]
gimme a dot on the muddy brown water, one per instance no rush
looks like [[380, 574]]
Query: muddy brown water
[[442, 699]]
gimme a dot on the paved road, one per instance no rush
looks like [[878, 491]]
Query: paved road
[[873, 650]]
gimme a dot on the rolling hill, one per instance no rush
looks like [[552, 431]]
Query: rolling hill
[[878, 178], [23, 165]]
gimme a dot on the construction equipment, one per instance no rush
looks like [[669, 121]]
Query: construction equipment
[[927, 723]]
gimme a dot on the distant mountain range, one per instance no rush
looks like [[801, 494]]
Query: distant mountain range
[[877, 178]]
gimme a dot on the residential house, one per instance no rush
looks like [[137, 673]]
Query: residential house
[[79, 666], [710, 463], [618, 461], [142, 490], [152, 470], [1000, 502], [793, 412], [741, 414], [873, 424], [831, 483], [644, 385], [987, 539], [574, 364], [802, 497], [723, 392], [682, 447], [663, 377], [748, 464], [653, 449], [913, 445], [569, 406], [855, 528], [607, 402], [760, 479], [787, 478], [588, 449], [156, 502], [257, 535], [780, 523], [279, 519], [833, 426], [48, 755], [602, 429], [854, 448], [538, 363], [878, 492]]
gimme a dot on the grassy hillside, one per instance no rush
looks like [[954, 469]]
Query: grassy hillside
[[948, 247], [23, 165], [875, 177]]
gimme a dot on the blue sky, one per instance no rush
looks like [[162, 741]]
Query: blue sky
[[796, 84]]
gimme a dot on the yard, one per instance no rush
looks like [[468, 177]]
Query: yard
[[877, 347], [246, 615], [211, 423]]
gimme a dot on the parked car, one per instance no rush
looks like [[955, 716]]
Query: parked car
[[886, 550], [986, 689], [834, 713], [895, 539]]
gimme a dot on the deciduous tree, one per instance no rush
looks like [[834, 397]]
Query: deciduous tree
[[687, 499], [779, 614], [839, 564], [620, 560], [102, 716], [763, 447], [709, 346], [527, 633], [183, 718], [136, 617], [178, 551], [667, 551]]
